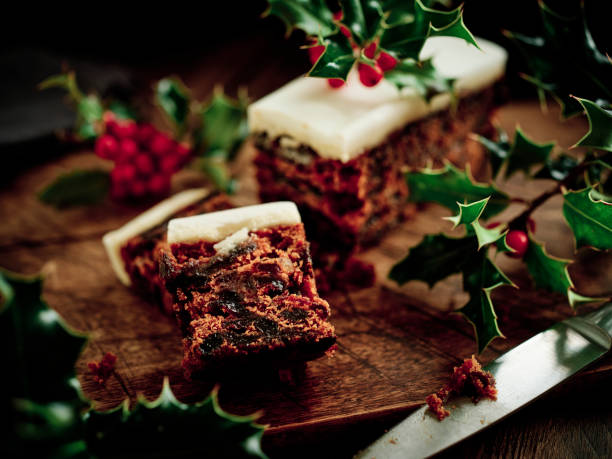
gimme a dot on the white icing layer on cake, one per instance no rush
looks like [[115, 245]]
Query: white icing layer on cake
[[343, 123], [216, 226], [114, 240]]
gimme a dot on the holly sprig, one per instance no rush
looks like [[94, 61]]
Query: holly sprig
[[52, 418], [583, 183], [380, 37], [205, 135], [564, 59]]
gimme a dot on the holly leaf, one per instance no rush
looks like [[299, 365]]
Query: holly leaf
[[590, 218], [173, 98], [565, 42], [434, 259], [468, 215], [166, 427], [498, 150], [525, 153], [480, 278], [422, 76], [363, 18], [405, 33], [449, 185], [42, 395], [311, 16], [76, 188], [337, 59], [557, 168], [600, 126]]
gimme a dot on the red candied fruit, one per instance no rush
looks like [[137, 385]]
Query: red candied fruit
[[106, 147], [386, 61], [368, 75], [128, 149], [124, 129], [138, 188], [123, 173], [145, 133], [169, 164], [161, 144], [159, 184], [144, 164]]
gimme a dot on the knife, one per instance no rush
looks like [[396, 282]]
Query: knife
[[522, 374]]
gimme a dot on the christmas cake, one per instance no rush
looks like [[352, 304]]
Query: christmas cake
[[340, 154], [133, 249], [243, 289]]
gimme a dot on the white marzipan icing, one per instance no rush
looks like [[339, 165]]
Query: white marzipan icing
[[216, 226], [114, 240], [343, 123]]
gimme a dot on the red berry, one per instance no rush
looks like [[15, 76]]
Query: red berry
[[159, 184], [138, 188], [335, 82], [161, 144], [345, 31], [338, 15], [128, 148], [314, 53], [531, 225], [124, 129], [386, 61], [368, 75], [169, 164], [107, 147], [145, 132], [144, 164], [492, 225], [370, 50], [518, 241], [123, 173], [108, 116]]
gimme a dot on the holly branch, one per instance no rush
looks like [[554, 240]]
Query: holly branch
[[583, 183], [382, 38], [205, 135]]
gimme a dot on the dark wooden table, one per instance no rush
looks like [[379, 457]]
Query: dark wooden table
[[395, 344]]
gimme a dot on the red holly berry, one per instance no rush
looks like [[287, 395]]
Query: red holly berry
[[335, 82], [370, 50], [119, 190], [492, 225], [144, 164], [145, 132], [169, 164], [159, 184], [124, 129], [338, 15], [386, 61], [138, 188], [123, 173], [518, 241], [161, 144], [314, 53], [107, 147], [368, 75], [128, 148]]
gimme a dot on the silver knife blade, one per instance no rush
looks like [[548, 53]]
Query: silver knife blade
[[522, 374]]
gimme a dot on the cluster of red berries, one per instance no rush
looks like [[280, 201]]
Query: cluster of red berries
[[145, 158], [369, 75]]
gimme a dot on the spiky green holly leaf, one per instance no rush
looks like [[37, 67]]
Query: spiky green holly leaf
[[76, 188], [526, 153], [408, 25], [363, 18], [557, 168], [422, 76], [435, 258], [173, 98], [468, 215], [311, 16], [480, 278], [600, 126], [566, 43], [589, 215], [337, 59], [166, 427], [449, 185], [42, 395]]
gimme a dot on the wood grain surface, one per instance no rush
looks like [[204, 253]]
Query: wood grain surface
[[395, 345]]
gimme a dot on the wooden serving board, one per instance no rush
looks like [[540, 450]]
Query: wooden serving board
[[395, 345]]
